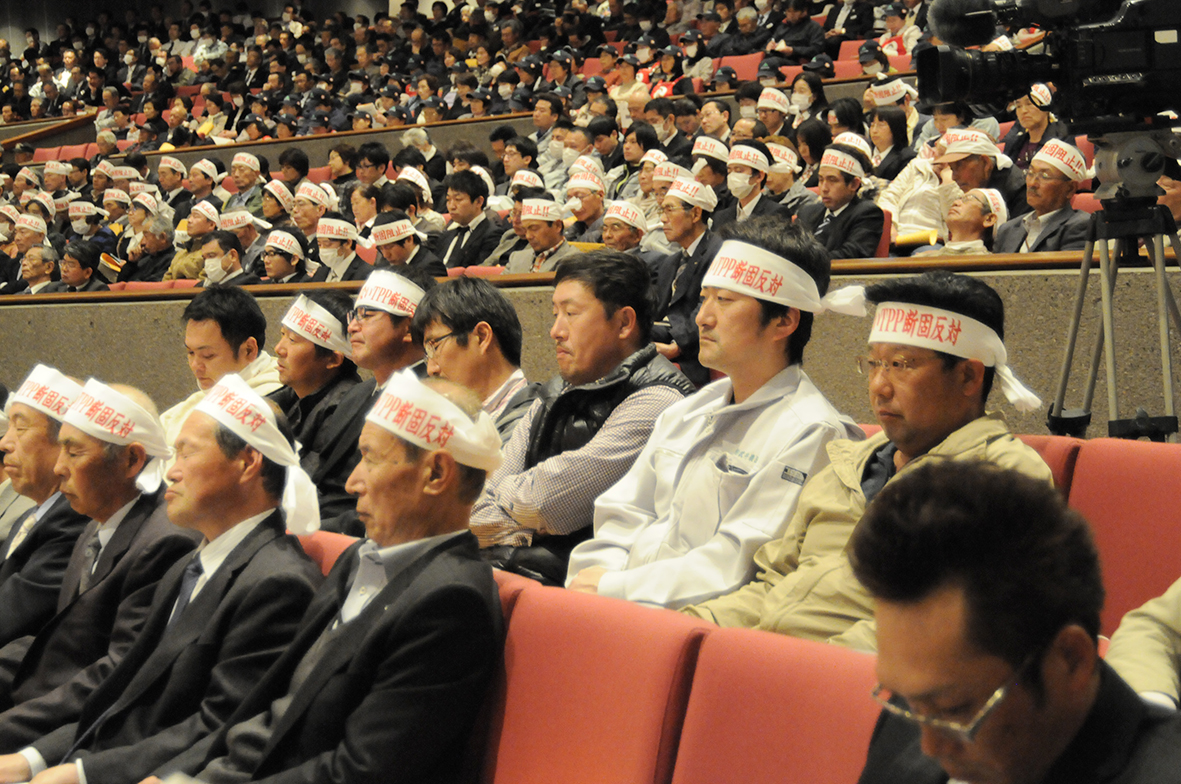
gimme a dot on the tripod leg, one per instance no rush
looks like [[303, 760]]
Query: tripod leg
[[1157, 249], [1072, 334], [1097, 349], [1175, 241], [1105, 269]]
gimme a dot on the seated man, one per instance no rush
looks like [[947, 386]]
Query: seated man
[[115, 480], [225, 332], [748, 167], [401, 246], [1144, 648], [722, 472], [471, 236], [970, 223], [315, 364], [79, 267], [38, 547], [585, 193], [541, 217], [929, 395], [583, 433], [848, 225], [336, 239], [222, 253], [624, 226], [471, 335], [1051, 181], [988, 595], [39, 271], [409, 613], [195, 659], [976, 162]]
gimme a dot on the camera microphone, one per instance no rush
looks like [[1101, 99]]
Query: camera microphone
[[963, 22]]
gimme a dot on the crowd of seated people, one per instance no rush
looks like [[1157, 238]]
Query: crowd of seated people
[[158, 613]]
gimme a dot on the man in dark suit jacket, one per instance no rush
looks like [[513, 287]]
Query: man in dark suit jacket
[[849, 226], [346, 700], [471, 236], [38, 546], [1050, 183], [749, 162], [111, 577], [850, 20], [201, 651], [661, 115], [224, 248], [399, 245], [677, 284]]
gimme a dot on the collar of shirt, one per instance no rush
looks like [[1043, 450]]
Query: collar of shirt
[[107, 530], [213, 554], [721, 401], [472, 224], [41, 510], [1032, 219], [413, 253], [497, 400], [545, 254], [377, 567], [967, 246], [745, 212], [262, 363], [689, 251], [38, 286], [840, 209]]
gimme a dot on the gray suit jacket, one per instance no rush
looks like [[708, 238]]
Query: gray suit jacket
[[522, 260], [1066, 230]]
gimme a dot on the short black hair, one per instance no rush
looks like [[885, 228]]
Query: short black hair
[[895, 119], [376, 153], [1025, 561], [467, 182], [526, 147], [602, 126], [662, 106], [274, 475], [399, 196], [235, 311], [748, 91], [347, 154], [618, 280], [645, 135], [502, 133], [555, 103], [462, 303], [296, 159], [408, 157], [790, 241], [947, 291], [848, 114], [816, 134], [226, 240], [338, 303], [85, 252]]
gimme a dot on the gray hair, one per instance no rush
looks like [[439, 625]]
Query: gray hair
[[747, 13], [159, 225], [105, 136], [416, 137]]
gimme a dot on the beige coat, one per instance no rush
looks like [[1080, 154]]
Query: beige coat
[[804, 585], [1146, 648]]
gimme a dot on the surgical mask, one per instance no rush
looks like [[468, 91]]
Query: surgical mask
[[643, 53], [697, 167], [691, 50], [661, 132], [213, 270], [302, 58], [505, 90], [5, 233], [450, 168], [872, 68], [800, 101], [332, 257], [556, 148], [129, 58], [143, 39], [747, 112], [80, 226], [489, 14], [355, 88], [768, 82], [90, 31], [238, 101], [404, 99], [194, 34], [739, 184], [762, 5], [646, 26], [569, 156], [574, 204], [286, 17]]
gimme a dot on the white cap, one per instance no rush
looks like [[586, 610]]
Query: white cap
[[693, 193]]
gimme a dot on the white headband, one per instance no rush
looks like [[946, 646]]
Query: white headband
[[57, 167], [710, 148], [785, 160], [247, 160], [669, 171], [108, 415], [393, 232], [284, 242], [759, 273], [842, 161], [654, 157], [746, 155], [390, 292], [245, 414], [336, 229], [34, 223], [84, 208], [855, 141], [950, 333], [47, 390], [589, 164], [1065, 158], [540, 210], [313, 193], [587, 180], [526, 178], [206, 167], [693, 193], [116, 195], [629, 214], [168, 162], [315, 323], [207, 211], [771, 98], [416, 413], [281, 193]]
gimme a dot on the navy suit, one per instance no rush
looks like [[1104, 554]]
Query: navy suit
[[679, 308], [853, 234]]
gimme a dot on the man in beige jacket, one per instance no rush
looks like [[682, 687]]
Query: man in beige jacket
[[934, 351]]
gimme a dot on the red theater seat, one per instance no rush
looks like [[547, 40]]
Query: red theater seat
[[324, 547], [1060, 454]]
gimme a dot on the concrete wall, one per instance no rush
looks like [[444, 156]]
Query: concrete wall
[[142, 343]]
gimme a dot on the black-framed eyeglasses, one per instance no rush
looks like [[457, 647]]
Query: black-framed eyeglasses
[[965, 733], [431, 347], [362, 313]]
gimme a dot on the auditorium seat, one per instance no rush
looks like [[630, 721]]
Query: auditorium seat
[[1086, 202], [591, 66], [884, 243], [91, 150], [771, 709], [900, 62], [849, 50], [324, 547], [1005, 127], [148, 285], [69, 151], [184, 283], [746, 66], [42, 154], [1086, 148], [846, 69], [790, 72], [483, 272], [117, 286], [122, 144], [367, 255], [594, 691], [319, 174], [1060, 454], [455, 272], [510, 586], [1127, 491]]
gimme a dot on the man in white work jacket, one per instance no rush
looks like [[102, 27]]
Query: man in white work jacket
[[723, 469]]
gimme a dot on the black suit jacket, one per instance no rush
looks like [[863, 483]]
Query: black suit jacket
[[364, 712], [330, 468], [854, 234], [764, 206], [679, 309], [92, 631], [1122, 741], [93, 284], [858, 24], [358, 269], [177, 685], [1066, 230], [31, 576], [245, 279], [483, 240], [679, 148], [424, 260]]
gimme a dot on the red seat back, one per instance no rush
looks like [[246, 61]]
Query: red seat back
[[42, 154], [319, 174], [595, 691], [849, 50], [484, 272], [846, 69], [746, 66], [324, 547], [1060, 454], [883, 249], [770, 709], [1127, 492]]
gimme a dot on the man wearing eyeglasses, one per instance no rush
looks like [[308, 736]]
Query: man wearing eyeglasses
[[988, 596], [976, 162], [935, 350], [1051, 181]]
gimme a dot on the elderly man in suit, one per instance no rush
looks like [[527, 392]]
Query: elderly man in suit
[[13, 505], [1051, 181], [38, 547], [848, 225], [220, 619], [409, 612], [127, 546]]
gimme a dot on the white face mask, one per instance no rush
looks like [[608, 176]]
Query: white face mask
[[129, 58], [574, 204], [302, 58], [569, 156], [143, 39], [747, 112], [194, 34], [213, 270], [80, 226], [739, 184], [691, 50], [505, 90], [556, 148], [872, 68], [643, 54], [333, 258], [800, 101], [489, 14], [768, 82], [646, 26], [161, 61], [238, 101], [661, 132], [358, 26]]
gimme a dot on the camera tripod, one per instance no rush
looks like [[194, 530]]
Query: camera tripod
[[1128, 164]]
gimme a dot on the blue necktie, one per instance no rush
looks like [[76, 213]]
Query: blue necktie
[[188, 582]]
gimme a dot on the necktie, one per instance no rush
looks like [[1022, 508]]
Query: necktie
[[93, 549], [26, 525], [823, 224], [456, 244], [188, 582], [682, 261]]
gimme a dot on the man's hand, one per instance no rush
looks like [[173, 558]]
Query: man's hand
[[59, 774], [587, 581], [14, 768], [669, 351]]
